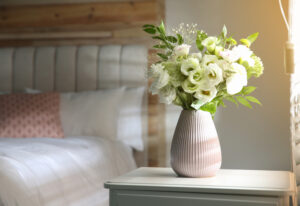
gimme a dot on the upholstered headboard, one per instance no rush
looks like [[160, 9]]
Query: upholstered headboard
[[75, 68]]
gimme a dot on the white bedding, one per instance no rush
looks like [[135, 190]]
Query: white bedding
[[60, 172]]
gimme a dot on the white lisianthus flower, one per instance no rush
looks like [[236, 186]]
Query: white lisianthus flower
[[244, 53], [197, 55], [167, 94], [229, 55], [225, 66], [206, 95], [210, 43], [213, 75], [189, 87], [237, 80], [156, 70], [208, 59], [159, 82], [195, 76], [189, 65], [182, 50]]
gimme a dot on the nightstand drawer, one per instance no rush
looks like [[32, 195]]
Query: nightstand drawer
[[149, 198]]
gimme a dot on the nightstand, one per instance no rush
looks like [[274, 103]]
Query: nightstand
[[161, 187]]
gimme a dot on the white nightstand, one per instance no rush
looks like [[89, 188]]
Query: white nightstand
[[161, 187]]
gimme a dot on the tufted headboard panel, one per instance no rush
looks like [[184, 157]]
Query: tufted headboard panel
[[75, 68], [72, 68]]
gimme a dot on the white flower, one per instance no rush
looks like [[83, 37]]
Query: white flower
[[208, 59], [213, 75], [195, 76], [167, 94], [182, 50], [237, 80], [159, 82], [189, 65], [189, 87], [156, 70], [206, 95], [210, 43], [197, 55], [229, 55], [225, 66], [242, 51]]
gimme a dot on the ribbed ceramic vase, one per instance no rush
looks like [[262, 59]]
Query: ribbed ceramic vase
[[195, 150]]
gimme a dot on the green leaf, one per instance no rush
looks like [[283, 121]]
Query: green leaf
[[253, 99], [243, 101], [148, 25], [252, 37], [158, 37], [160, 46], [163, 56], [224, 32], [248, 90], [245, 42], [210, 107], [172, 39], [180, 39], [150, 30], [231, 99], [196, 104]]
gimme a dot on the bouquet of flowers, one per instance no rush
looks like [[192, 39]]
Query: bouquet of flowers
[[217, 70]]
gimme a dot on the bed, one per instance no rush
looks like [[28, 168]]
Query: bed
[[71, 170]]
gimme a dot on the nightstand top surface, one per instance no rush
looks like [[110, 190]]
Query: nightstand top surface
[[251, 182]]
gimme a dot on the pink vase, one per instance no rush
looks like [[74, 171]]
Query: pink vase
[[195, 149]]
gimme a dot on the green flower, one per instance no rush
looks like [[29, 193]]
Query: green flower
[[257, 69], [167, 94]]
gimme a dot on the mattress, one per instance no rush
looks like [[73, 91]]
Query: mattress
[[60, 172]]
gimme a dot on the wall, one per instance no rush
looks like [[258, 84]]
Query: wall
[[257, 138]]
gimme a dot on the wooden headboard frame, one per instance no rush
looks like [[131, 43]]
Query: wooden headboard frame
[[97, 22]]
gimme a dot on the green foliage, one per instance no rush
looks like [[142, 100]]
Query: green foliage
[[253, 99], [243, 101], [250, 39], [210, 107], [247, 90], [201, 35], [180, 39]]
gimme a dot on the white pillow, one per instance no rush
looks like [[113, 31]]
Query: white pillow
[[93, 113], [130, 118]]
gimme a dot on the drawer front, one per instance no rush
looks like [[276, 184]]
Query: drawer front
[[148, 198]]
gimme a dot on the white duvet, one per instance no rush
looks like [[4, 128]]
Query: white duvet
[[60, 172]]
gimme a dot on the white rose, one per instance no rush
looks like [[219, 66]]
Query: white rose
[[189, 65], [159, 82], [242, 51], [182, 50], [213, 75], [206, 95], [208, 59], [229, 55], [237, 80], [167, 94], [210, 43]]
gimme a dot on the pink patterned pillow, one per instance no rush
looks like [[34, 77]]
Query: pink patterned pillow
[[30, 115]]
